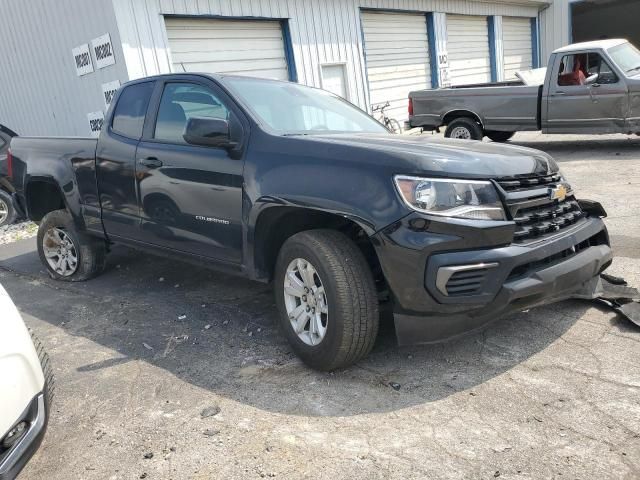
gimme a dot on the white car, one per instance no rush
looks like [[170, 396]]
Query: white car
[[26, 390]]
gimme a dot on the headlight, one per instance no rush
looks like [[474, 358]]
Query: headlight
[[474, 199]]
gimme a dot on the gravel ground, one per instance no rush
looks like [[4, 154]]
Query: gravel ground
[[169, 371], [17, 231]]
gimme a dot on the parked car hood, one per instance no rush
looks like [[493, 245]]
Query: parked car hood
[[442, 156]]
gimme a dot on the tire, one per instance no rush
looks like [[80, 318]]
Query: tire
[[47, 370], [7, 212], [89, 252], [499, 136], [350, 299], [464, 128], [394, 126]]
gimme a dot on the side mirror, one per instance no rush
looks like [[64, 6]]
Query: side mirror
[[208, 132], [591, 79]]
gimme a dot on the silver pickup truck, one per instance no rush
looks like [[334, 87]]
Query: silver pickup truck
[[591, 88]]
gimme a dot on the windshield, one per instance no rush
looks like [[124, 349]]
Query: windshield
[[289, 108], [627, 57]]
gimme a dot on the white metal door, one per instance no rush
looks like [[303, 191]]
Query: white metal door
[[468, 49], [516, 34], [397, 57], [241, 47]]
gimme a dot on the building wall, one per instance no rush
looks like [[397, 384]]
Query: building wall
[[327, 31], [40, 93], [555, 31]]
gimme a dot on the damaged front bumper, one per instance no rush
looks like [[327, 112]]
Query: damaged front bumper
[[499, 279]]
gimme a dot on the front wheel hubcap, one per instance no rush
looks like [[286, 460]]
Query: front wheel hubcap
[[60, 252], [306, 301]]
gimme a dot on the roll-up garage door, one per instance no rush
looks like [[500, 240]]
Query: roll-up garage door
[[240, 47], [516, 34], [397, 57], [468, 49]]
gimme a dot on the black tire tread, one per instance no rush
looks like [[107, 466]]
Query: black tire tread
[[356, 290], [47, 369]]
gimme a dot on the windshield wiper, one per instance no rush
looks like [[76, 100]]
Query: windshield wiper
[[634, 68]]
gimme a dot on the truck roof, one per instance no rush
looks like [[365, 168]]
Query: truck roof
[[602, 44]]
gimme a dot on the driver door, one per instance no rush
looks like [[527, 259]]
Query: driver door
[[190, 196], [586, 95]]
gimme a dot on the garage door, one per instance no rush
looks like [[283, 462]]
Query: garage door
[[254, 48], [397, 57], [468, 49], [516, 34]]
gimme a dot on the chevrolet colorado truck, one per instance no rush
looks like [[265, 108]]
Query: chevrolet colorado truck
[[292, 185], [589, 88]]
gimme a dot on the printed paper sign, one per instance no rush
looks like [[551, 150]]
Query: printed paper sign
[[109, 91], [443, 70], [96, 119], [82, 58], [103, 50]]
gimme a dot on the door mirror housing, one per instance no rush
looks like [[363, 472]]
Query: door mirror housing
[[591, 79], [208, 132]]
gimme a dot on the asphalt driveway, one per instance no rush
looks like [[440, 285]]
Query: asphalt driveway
[[165, 370]]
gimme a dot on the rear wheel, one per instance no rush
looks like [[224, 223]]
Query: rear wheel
[[326, 298], [7, 212], [68, 254], [464, 128], [499, 136]]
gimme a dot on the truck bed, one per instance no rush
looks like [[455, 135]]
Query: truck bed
[[59, 160], [499, 106]]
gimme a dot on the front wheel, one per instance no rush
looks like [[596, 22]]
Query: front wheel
[[499, 136], [69, 254], [394, 125], [464, 128], [326, 297], [7, 212]]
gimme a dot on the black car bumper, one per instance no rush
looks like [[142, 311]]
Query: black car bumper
[[448, 284], [13, 460]]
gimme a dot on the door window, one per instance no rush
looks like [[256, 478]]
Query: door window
[[179, 103], [576, 69], [128, 117]]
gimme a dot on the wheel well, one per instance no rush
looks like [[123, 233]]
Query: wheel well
[[449, 117], [43, 197], [276, 225]]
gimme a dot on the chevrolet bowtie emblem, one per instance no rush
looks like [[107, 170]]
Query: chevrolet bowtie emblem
[[558, 193]]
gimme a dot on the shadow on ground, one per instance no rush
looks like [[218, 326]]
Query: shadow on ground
[[241, 355], [593, 147]]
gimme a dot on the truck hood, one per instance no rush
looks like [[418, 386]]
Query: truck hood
[[442, 156]]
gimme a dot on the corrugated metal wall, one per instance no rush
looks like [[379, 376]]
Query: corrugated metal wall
[[327, 31], [554, 28], [40, 93]]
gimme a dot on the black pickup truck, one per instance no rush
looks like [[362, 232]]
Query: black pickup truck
[[292, 185]]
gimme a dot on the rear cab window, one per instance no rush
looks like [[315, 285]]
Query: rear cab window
[[130, 111]]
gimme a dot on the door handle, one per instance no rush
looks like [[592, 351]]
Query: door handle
[[560, 93], [150, 162]]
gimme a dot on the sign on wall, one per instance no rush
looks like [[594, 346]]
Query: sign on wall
[[108, 92], [82, 58], [96, 119], [103, 50], [443, 70]]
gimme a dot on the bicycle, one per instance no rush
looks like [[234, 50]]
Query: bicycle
[[391, 123]]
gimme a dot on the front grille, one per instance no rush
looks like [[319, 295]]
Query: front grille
[[534, 211], [468, 282], [519, 183]]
